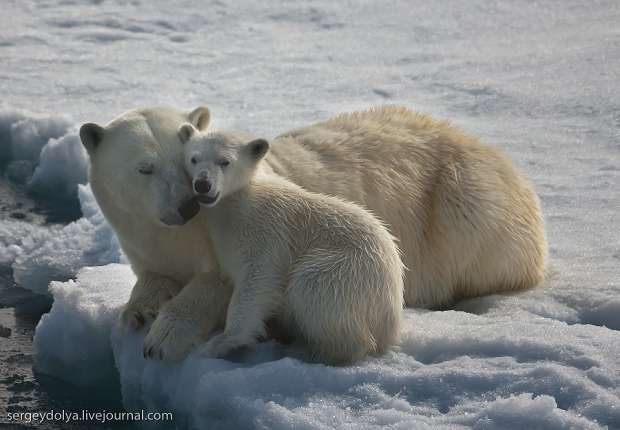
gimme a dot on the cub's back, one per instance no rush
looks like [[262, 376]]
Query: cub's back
[[309, 219]]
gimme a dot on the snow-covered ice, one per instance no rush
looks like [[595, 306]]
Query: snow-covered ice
[[72, 341], [538, 79], [39, 254], [500, 365], [46, 156]]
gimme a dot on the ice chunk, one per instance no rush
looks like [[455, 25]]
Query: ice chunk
[[41, 254], [7, 120], [23, 136], [50, 159], [62, 166], [454, 369], [18, 236], [43, 154], [20, 171], [72, 341]]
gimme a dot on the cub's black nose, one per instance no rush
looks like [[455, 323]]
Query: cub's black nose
[[202, 186]]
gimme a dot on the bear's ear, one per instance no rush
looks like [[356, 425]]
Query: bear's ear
[[257, 148], [200, 117], [186, 131], [91, 135]]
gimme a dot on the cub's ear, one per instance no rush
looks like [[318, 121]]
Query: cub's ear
[[186, 131], [91, 135], [200, 117], [258, 148]]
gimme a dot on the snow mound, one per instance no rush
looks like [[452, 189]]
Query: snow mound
[[72, 340], [507, 368], [23, 137], [39, 254], [33, 148], [63, 165], [18, 236], [45, 155]]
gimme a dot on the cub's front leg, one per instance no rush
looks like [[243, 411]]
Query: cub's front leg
[[149, 293], [253, 302]]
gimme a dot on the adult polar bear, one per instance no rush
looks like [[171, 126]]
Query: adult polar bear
[[468, 223]]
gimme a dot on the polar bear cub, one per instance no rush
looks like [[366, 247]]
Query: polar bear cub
[[326, 271]]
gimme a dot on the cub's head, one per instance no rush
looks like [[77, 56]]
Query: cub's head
[[219, 163], [136, 166]]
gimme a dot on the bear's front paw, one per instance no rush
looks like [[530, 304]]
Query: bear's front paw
[[146, 300], [221, 345], [171, 338], [134, 319]]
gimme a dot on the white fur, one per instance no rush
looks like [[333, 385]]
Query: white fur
[[467, 222], [326, 270], [165, 258]]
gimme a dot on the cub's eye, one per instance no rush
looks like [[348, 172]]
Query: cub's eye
[[146, 169], [193, 160], [223, 163]]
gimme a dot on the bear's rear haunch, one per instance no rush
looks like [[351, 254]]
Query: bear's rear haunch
[[467, 222], [328, 271]]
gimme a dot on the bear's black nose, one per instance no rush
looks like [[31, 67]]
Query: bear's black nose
[[189, 209], [202, 186]]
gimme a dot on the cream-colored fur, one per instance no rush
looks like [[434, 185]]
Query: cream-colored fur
[[467, 222], [326, 270]]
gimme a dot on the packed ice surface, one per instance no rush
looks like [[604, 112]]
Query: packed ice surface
[[501, 362], [538, 79]]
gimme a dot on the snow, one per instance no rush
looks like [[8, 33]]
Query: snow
[[72, 341], [42, 153], [26, 136], [538, 79], [66, 155], [46, 156], [503, 368], [39, 254]]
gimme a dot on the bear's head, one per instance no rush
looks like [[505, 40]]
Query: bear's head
[[136, 166], [219, 163]]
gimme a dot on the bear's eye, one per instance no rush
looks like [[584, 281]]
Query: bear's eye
[[193, 160], [223, 163], [146, 169]]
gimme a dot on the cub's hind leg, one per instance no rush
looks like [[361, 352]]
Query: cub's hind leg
[[329, 304]]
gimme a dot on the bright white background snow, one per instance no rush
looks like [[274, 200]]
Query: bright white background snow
[[540, 79]]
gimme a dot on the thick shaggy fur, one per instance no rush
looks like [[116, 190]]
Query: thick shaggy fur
[[467, 222], [327, 270]]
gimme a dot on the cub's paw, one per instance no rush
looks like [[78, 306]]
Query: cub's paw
[[134, 318], [221, 345], [171, 338]]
